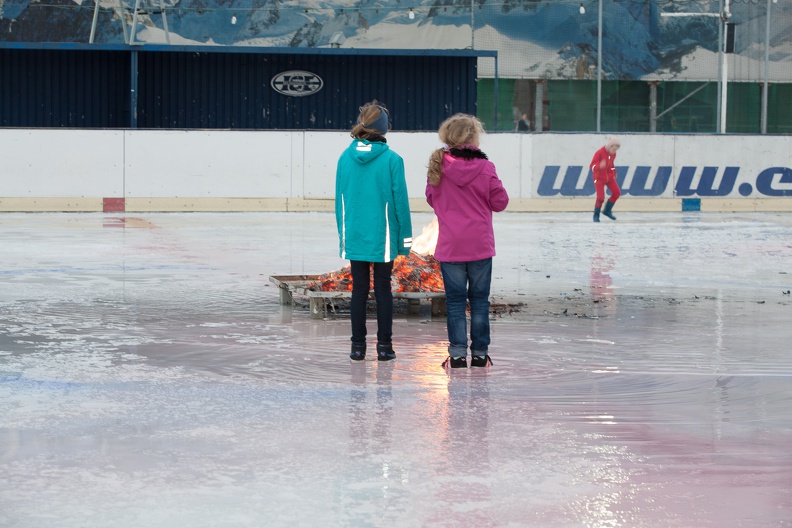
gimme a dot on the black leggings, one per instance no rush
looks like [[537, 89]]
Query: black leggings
[[361, 279]]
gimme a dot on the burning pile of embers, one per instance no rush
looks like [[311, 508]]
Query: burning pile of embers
[[417, 272], [413, 273]]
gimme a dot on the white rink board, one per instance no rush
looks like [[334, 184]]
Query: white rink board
[[61, 163], [320, 157], [301, 165], [576, 150], [210, 164]]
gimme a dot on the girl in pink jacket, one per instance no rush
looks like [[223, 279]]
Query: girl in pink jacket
[[464, 190], [603, 171]]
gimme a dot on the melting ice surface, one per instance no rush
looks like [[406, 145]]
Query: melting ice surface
[[149, 377]]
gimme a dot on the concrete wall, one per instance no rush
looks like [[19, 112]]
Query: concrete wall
[[145, 170]]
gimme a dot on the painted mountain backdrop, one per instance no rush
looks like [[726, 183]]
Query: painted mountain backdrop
[[534, 39]]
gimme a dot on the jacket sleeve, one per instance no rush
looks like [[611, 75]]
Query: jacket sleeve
[[595, 161], [401, 205], [499, 198]]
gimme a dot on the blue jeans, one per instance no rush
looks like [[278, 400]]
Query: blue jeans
[[467, 282], [361, 279]]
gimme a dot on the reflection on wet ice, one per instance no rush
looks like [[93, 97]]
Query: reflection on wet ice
[[149, 376]]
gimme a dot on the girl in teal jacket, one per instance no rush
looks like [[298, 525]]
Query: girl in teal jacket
[[373, 218]]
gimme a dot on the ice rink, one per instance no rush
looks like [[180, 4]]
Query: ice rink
[[149, 377]]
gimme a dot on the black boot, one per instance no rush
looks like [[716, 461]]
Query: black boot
[[607, 210], [358, 352], [385, 352], [596, 214]]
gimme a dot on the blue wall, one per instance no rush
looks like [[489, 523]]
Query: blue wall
[[216, 88]]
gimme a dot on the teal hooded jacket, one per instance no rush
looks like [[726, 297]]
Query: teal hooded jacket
[[371, 203]]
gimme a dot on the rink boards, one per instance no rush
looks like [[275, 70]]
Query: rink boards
[[201, 170]]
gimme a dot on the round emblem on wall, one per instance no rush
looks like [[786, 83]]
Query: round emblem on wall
[[297, 83]]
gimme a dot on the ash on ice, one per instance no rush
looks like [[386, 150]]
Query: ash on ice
[[151, 377]]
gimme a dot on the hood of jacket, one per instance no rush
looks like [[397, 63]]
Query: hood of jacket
[[461, 171], [363, 151]]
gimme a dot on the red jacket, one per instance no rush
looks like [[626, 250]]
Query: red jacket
[[609, 171]]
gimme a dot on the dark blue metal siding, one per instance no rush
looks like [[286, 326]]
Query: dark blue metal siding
[[62, 88], [215, 90], [201, 90], [228, 88], [419, 91]]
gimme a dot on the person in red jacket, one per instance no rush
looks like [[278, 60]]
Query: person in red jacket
[[604, 173]]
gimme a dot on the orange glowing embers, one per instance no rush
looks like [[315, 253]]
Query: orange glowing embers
[[417, 272], [413, 273]]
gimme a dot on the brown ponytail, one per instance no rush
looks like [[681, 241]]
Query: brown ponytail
[[369, 113]]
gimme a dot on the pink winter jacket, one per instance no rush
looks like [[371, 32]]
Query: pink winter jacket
[[464, 200]]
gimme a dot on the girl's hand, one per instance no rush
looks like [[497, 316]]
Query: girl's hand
[[602, 164]]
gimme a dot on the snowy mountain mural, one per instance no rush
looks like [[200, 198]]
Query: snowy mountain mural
[[535, 39]]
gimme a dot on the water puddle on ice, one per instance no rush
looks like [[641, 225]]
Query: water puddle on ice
[[150, 377]]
